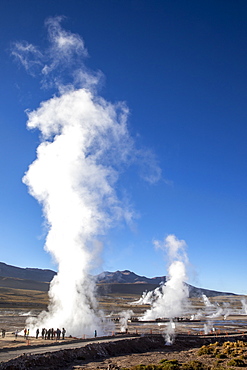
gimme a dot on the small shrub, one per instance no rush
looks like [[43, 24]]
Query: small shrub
[[217, 362], [169, 364], [235, 353], [211, 349], [218, 366], [168, 361], [205, 350], [151, 367], [236, 362], [220, 355], [226, 350], [193, 365]]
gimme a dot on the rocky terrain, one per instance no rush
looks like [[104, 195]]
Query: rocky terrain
[[188, 352]]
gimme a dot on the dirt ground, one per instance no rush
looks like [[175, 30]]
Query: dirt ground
[[183, 351], [128, 353]]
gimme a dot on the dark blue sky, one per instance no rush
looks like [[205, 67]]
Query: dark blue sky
[[181, 67]]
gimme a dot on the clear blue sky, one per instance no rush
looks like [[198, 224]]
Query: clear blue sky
[[181, 67]]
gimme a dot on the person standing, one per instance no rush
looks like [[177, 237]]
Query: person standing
[[58, 333], [43, 333], [63, 333], [49, 334]]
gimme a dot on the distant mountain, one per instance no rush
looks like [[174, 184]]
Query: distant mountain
[[198, 292], [108, 282], [116, 281], [26, 273], [127, 277]]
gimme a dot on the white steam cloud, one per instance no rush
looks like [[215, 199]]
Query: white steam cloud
[[84, 144], [123, 320], [171, 297], [76, 189]]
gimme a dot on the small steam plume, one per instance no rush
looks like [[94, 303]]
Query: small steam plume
[[244, 306], [148, 297], [84, 145], [170, 333], [123, 320], [206, 301], [216, 310], [170, 301], [208, 327]]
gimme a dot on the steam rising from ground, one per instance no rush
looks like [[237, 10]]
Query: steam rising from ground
[[168, 301], [216, 310], [84, 144], [170, 298], [123, 319], [76, 190]]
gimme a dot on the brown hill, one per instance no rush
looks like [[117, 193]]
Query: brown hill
[[26, 273], [15, 283]]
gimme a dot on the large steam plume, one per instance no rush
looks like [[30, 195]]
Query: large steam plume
[[84, 143], [170, 299]]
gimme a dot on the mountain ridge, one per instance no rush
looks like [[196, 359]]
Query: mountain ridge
[[127, 277], [108, 282], [42, 275]]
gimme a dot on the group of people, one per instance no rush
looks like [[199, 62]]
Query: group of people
[[51, 333], [46, 334]]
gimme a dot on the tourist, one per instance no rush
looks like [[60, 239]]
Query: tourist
[[43, 333], [63, 333], [37, 333], [49, 334], [3, 333], [95, 333], [58, 333]]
